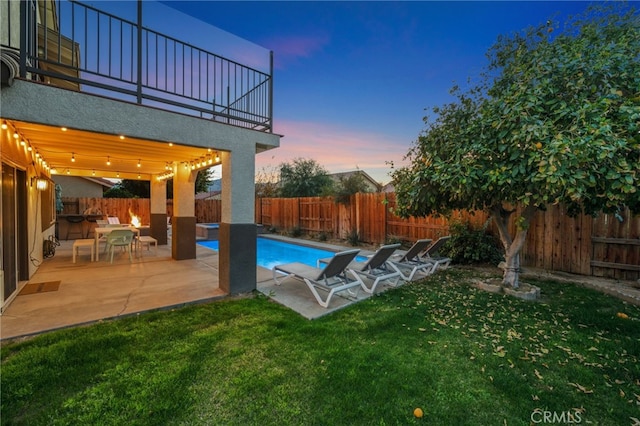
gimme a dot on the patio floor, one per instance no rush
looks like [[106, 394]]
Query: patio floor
[[94, 291]]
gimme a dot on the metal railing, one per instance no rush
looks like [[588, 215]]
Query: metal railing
[[86, 49]]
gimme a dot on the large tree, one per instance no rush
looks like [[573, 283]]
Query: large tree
[[554, 119], [304, 178]]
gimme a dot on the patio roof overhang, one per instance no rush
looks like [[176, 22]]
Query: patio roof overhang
[[76, 152]]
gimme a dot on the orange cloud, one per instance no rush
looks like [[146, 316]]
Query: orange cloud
[[335, 148]]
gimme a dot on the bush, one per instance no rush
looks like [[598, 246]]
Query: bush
[[295, 232], [468, 245], [323, 236], [353, 237]]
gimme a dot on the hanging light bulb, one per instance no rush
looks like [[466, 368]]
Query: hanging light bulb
[[139, 165], [64, 129], [4, 125], [108, 161], [22, 142], [73, 157], [68, 171], [217, 157], [16, 135], [117, 174], [93, 173], [138, 175]]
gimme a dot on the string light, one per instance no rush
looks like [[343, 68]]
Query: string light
[[117, 174], [108, 161], [73, 157], [138, 175], [16, 135], [68, 171], [139, 165], [93, 173], [217, 157], [64, 129], [4, 125]]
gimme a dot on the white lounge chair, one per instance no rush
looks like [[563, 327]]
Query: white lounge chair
[[411, 264], [376, 268], [332, 278], [120, 238], [430, 254]]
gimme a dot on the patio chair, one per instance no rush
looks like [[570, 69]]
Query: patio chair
[[332, 278], [120, 238], [376, 268], [430, 254], [411, 264]]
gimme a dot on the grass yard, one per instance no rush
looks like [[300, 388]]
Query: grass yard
[[464, 356]]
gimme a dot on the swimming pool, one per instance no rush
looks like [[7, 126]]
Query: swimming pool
[[273, 252]]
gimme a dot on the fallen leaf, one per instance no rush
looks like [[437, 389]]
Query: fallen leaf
[[581, 388], [538, 375]]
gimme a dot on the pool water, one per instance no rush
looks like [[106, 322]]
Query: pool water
[[272, 252]]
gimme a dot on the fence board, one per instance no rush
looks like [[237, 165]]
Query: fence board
[[600, 246]]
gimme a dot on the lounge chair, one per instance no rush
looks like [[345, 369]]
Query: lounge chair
[[376, 268], [430, 254], [411, 264], [332, 278]]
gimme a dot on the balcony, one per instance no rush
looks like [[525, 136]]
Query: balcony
[[78, 47]]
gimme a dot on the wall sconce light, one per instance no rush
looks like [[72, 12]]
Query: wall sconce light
[[41, 184]]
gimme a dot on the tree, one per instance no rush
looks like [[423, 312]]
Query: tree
[[349, 185], [552, 120], [304, 178], [266, 181]]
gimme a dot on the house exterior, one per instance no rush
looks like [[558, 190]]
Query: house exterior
[[83, 100], [82, 186], [370, 182]]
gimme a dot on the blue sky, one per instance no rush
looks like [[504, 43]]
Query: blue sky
[[352, 80]]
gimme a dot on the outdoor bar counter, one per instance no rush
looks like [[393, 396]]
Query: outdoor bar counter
[[76, 226]]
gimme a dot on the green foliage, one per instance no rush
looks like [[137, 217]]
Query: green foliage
[[117, 191], [469, 245], [348, 186], [304, 178], [393, 239], [353, 237], [322, 236], [295, 232]]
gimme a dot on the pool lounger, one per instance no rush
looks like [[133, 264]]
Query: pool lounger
[[332, 278]]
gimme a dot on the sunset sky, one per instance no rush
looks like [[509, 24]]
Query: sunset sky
[[353, 80]]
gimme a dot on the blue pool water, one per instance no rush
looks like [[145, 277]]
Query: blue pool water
[[271, 252]]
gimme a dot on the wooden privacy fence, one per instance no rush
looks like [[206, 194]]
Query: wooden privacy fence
[[603, 246]]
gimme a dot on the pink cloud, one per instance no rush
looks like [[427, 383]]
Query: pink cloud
[[290, 49], [335, 148]]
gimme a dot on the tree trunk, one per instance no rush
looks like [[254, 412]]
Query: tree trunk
[[512, 246]]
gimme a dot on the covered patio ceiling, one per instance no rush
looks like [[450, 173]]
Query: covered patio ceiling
[[80, 153]]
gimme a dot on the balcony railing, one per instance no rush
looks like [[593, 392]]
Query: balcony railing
[[76, 46]]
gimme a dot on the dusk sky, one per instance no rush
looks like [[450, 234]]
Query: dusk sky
[[352, 80]]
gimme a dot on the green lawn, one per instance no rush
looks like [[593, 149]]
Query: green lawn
[[464, 356]]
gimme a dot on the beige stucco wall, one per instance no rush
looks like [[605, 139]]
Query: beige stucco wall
[[78, 187]]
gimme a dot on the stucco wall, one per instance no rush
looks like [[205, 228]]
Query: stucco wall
[[78, 187]]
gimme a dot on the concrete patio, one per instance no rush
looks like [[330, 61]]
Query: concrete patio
[[95, 291]]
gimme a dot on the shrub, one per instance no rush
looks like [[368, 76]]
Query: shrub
[[322, 236], [353, 237], [295, 232], [469, 245]]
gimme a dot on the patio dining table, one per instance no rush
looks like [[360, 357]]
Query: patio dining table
[[99, 232]]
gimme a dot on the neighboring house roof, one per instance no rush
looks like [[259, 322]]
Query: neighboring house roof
[[371, 182], [212, 195], [104, 182], [390, 187]]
